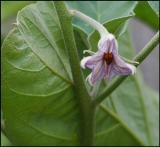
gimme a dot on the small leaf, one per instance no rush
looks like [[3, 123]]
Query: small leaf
[[148, 15], [38, 98]]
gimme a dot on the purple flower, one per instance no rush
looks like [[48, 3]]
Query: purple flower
[[106, 62]]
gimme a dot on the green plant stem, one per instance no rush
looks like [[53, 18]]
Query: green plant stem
[[87, 108], [138, 58], [95, 24]]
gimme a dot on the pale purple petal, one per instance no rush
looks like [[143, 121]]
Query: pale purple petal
[[114, 46], [90, 61], [112, 74], [84, 61], [122, 68], [108, 69], [98, 72], [104, 45], [118, 61], [108, 44], [132, 67]]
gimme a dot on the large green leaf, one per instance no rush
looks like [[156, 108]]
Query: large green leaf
[[39, 105], [38, 96], [103, 11]]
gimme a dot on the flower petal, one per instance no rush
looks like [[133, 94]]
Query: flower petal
[[114, 46], [104, 45], [84, 61], [132, 67], [108, 69], [98, 72], [90, 61], [122, 68], [112, 74], [108, 43]]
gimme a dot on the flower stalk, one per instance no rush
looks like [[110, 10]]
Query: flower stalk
[[95, 24]]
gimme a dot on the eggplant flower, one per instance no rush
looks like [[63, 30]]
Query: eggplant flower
[[106, 62]]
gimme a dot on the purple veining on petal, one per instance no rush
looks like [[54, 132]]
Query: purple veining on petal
[[112, 74], [120, 67], [98, 72], [105, 46], [114, 47], [121, 70], [108, 69], [118, 61], [90, 61]]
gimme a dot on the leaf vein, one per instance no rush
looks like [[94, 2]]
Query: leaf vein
[[44, 95]]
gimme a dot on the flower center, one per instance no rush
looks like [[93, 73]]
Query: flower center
[[108, 57]]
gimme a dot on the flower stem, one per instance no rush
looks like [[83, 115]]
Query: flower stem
[[129, 61], [95, 24], [138, 58], [87, 108]]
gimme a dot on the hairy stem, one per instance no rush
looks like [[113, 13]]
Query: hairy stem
[[95, 24], [138, 58], [87, 108]]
